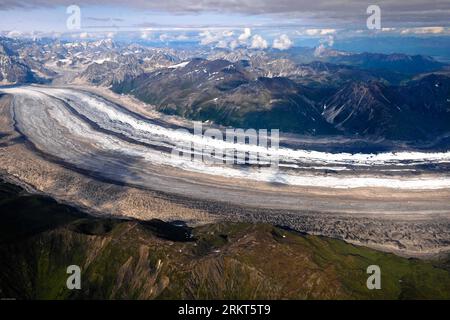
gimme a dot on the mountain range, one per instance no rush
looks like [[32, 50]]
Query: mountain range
[[418, 110], [299, 90], [234, 94], [12, 69]]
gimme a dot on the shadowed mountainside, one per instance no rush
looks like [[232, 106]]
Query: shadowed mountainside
[[419, 110], [233, 94], [230, 94]]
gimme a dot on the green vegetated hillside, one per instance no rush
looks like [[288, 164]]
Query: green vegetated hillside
[[123, 259], [359, 104]]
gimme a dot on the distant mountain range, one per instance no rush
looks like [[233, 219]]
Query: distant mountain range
[[401, 63]]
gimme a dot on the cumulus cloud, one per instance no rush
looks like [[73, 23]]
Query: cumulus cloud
[[219, 39], [207, 37], [213, 37], [328, 40], [282, 42], [320, 50], [258, 42], [324, 44], [226, 39], [246, 35]]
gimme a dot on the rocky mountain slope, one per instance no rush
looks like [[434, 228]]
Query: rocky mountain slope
[[230, 94], [235, 94], [12, 69], [129, 62], [123, 259], [419, 110]]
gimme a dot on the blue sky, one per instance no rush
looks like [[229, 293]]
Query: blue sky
[[120, 18]]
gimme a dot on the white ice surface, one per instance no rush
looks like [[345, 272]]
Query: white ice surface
[[55, 130]]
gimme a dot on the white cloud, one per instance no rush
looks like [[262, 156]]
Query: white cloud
[[234, 44], [164, 37], [328, 40], [181, 37], [423, 30], [246, 35], [209, 37], [312, 32], [145, 34], [222, 44], [323, 45], [83, 35], [282, 42], [228, 33], [319, 32], [319, 50], [258, 42], [14, 34]]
